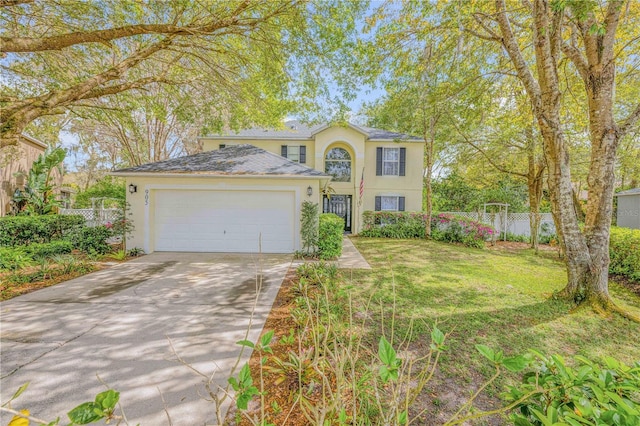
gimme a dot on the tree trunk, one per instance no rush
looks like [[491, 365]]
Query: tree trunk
[[429, 148], [535, 174]]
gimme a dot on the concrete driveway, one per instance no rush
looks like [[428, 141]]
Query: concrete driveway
[[116, 323]]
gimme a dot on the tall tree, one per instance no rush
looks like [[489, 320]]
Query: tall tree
[[588, 34]]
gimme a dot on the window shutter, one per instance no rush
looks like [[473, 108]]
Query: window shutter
[[283, 151], [303, 154], [403, 161], [378, 161], [221, 146], [378, 203], [401, 203]]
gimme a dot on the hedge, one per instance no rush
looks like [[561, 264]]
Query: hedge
[[624, 250], [381, 224], [330, 230], [40, 250], [91, 240], [23, 230]]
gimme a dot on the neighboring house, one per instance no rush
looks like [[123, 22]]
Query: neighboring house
[[15, 163], [629, 208], [253, 183]]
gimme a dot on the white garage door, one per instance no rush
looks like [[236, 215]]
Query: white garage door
[[224, 221]]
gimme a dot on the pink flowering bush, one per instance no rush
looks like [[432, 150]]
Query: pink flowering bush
[[457, 229], [444, 227]]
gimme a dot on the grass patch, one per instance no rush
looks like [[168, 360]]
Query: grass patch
[[499, 298]]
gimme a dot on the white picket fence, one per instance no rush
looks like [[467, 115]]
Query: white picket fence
[[95, 217], [516, 223]]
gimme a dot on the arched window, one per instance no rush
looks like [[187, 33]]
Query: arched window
[[337, 163]]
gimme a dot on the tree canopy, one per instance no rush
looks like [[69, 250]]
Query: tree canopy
[[246, 60]]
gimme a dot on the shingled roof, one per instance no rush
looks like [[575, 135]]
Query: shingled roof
[[294, 129], [232, 160]]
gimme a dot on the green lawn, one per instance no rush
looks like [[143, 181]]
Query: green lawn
[[493, 297]]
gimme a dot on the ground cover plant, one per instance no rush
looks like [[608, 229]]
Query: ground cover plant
[[40, 251], [420, 294]]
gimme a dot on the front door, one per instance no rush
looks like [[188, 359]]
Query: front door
[[340, 205]]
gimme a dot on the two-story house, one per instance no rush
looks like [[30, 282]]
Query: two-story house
[[244, 192]]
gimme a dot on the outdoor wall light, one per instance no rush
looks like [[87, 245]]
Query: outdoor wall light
[[133, 188], [309, 191]]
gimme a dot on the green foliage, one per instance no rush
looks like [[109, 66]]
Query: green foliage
[[330, 232], [518, 238], [389, 359], [14, 258], [23, 230], [318, 274], [454, 193], [379, 224], [512, 363], [309, 227], [135, 252], [101, 408], [589, 393], [50, 249], [38, 198], [444, 227], [243, 386], [624, 250], [91, 240], [109, 187]]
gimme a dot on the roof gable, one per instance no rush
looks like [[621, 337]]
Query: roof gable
[[234, 160]]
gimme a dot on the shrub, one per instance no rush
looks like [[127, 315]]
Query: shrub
[[40, 250], [624, 250], [309, 227], [14, 258], [330, 232], [91, 240], [590, 393], [23, 230], [456, 229], [393, 224], [518, 238]]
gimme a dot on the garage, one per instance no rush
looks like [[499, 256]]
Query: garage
[[237, 199], [224, 221]]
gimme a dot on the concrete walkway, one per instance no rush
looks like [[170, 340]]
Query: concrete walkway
[[351, 257], [116, 324]]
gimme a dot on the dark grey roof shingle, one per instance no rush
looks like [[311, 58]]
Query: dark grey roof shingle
[[231, 160], [294, 129]]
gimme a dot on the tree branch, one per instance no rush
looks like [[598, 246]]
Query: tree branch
[[510, 44], [9, 3], [629, 122], [59, 42], [485, 155]]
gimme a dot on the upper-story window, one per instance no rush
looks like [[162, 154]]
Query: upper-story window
[[391, 161], [295, 153], [337, 163]]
